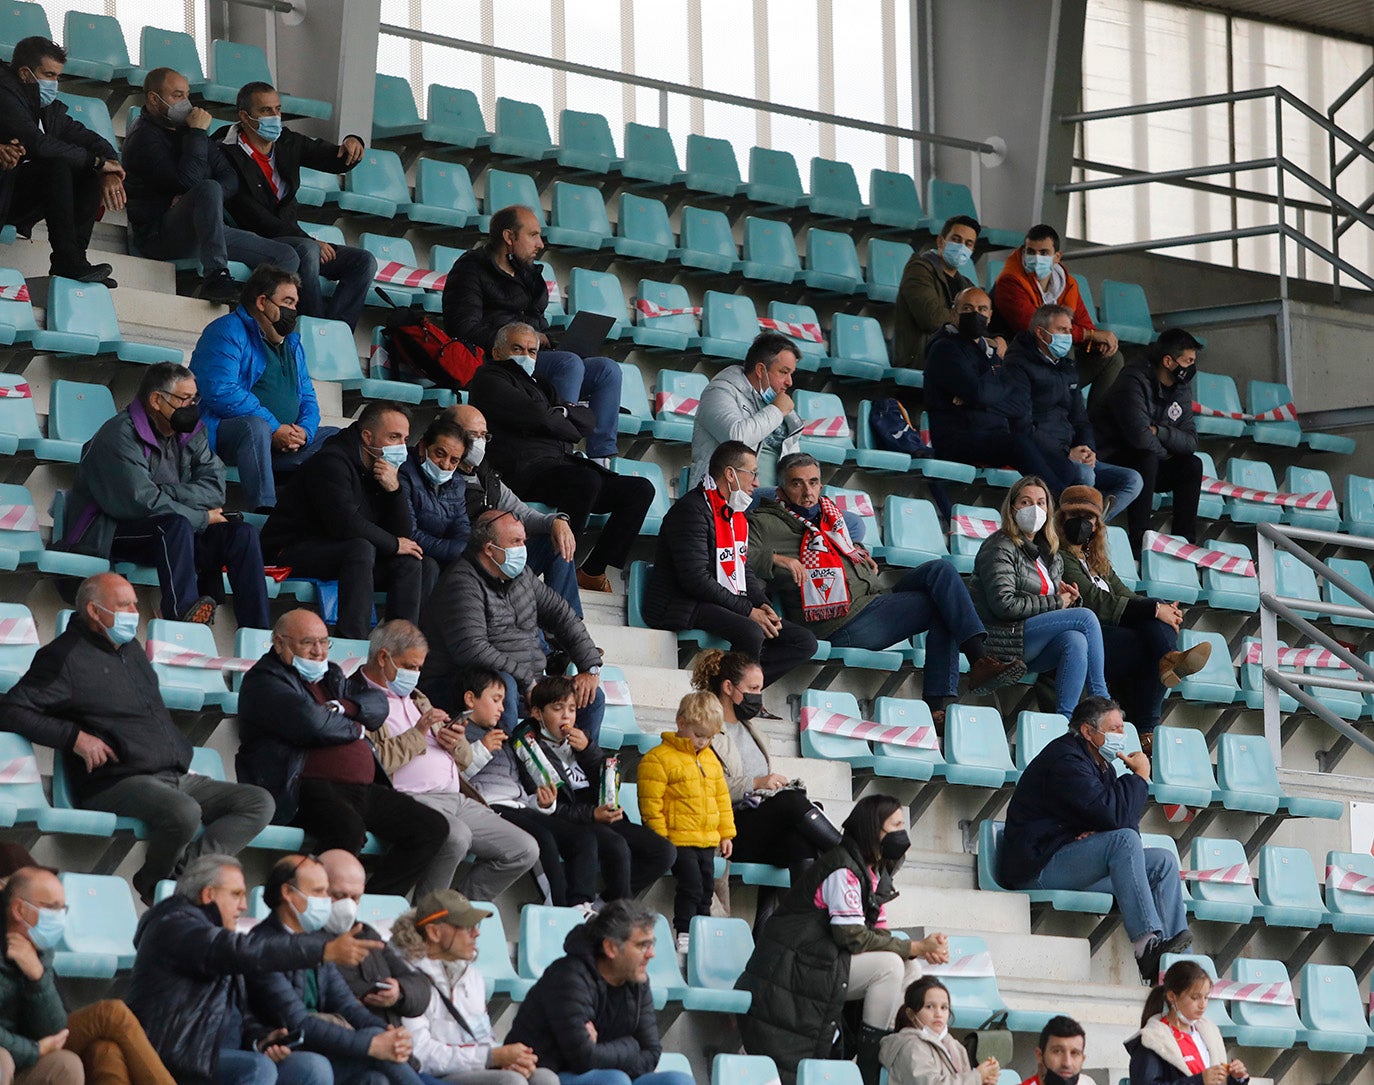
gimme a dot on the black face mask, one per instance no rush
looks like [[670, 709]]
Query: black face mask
[[185, 419], [1078, 530], [895, 846], [285, 324], [973, 325], [751, 704], [1185, 374], [1049, 1077]]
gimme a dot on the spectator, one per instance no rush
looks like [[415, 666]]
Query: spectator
[[150, 490], [1030, 610], [1147, 424], [452, 1033], [1060, 1054], [344, 517], [551, 544], [590, 1017], [345, 1040], [972, 400], [828, 944], [177, 183], [436, 754], [922, 1051], [499, 283], [1047, 382], [830, 585], [488, 610], [67, 173], [438, 504], [303, 729], [701, 577], [39, 1042], [750, 404], [1139, 635], [91, 694], [382, 981], [1073, 823], [268, 159], [186, 989], [534, 430], [930, 283], [1033, 276], [1176, 1042], [259, 405], [684, 798]]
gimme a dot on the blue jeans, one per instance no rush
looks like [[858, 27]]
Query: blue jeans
[[1144, 881], [929, 599], [245, 442], [593, 380], [588, 719], [194, 226], [244, 1068], [852, 520], [305, 1068], [1068, 642], [620, 1077], [1119, 483], [560, 575]]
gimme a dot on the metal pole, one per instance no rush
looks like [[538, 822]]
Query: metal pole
[[1171, 242], [1269, 651], [1168, 175], [1285, 317], [1173, 103]]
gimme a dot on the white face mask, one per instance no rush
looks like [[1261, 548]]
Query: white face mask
[[738, 500], [930, 1034], [1030, 518], [477, 448], [343, 914]]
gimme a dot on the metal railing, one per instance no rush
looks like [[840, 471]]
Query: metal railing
[[1274, 537], [1340, 225]]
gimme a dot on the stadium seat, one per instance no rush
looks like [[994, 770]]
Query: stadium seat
[[1218, 391], [1358, 503], [332, 355], [743, 1070], [1035, 731], [835, 190], [1333, 1014], [1163, 842], [619, 727], [1262, 1024], [905, 762], [92, 112], [1252, 681], [1295, 580], [1358, 573], [729, 324], [555, 314], [1231, 591], [443, 194], [1351, 912], [976, 747], [1308, 480], [707, 241], [1209, 506], [160, 48], [99, 937], [1220, 902], [17, 323], [712, 166], [599, 292], [673, 421], [859, 503], [1182, 768], [186, 685], [394, 112], [207, 762], [635, 415], [317, 189], [1121, 557], [773, 179], [833, 1072], [1166, 577], [975, 999], [673, 1060], [1216, 1007], [945, 199], [643, 231], [1126, 312], [376, 186], [832, 450], [914, 535], [1288, 891], [867, 453], [886, 262], [718, 950], [234, 64], [398, 250], [522, 132], [23, 802], [585, 143], [963, 549], [21, 544], [832, 263], [651, 156], [811, 353], [819, 744], [665, 976], [1246, 777], [671, 333], [1265, 396], [95, 47], [542, 931], [578, 219], [990, 834], [85, 314], [1255, 475], [505, 188], [18, 646], [770, 251], [894, 201], [653, 519], [18, 420], [493, 956], [453, 117], [18, 21]]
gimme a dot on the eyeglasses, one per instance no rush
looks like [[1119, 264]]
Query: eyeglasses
[[311, 642], [745, 471], [182, 400], [475, 436]]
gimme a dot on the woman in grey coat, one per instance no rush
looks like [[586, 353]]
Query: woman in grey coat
[[1031, 612]]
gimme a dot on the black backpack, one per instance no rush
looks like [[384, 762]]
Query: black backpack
[[893, 431]]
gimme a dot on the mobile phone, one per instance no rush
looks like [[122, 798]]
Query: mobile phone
[[296, 1041], [382, 985], [234, 517]]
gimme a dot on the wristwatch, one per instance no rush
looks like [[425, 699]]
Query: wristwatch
[[593, 670]]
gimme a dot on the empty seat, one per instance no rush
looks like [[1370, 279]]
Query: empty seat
[[21, 544], [234, 64], [712, 166], [945, 199], [522, 131], [1218, 391], [578, 219], [1295, 580], [99, 936], [585, 143], [1351, 909], [85, 314], [810, 342], [95, 47], [643, 231], [17, 323], [1167, 577], [963, 547], [976, 747], [816, 707], [834, 1072], [1308, 480], [1358, 573], [160, 48], [835, 189], [707, 241], [773, 178], [453, 116], [675, 404], [1209, 506], [743, 1070], [770, 251], [1333, 1015], [183, 683], [673, 330], [974, 996], [1035, 731], [542, 931], [18, 646], [914, 534], [1288, 890], [867, 453], [18, 420], [1221, 901], [443, 194], [832, 263], [505, 189], [1182, 768], [395, 250], [332, 355], [635, 415], [1252, 680], [1268, 395], [886, 262], [19, 20], [393, 108], [317, 189], [1254, 475], [1263, 1024], [1231, 591], [894, 201], [23, 801], [718, 950], [906, 762], [1126, 312], [599, 292], [91, 112], [376, 186], [729, 324], [1122, 559], [990, 835], [826, 408], [1358, 504], [650, 155]]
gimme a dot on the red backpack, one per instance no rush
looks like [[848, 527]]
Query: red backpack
[[413, 340]]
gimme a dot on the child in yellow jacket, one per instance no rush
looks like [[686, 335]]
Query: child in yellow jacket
[[683, 796]]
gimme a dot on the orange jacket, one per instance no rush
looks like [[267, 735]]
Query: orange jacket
[[1016, 295]]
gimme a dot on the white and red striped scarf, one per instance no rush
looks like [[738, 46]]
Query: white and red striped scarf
[[825, 592], [732, 540]]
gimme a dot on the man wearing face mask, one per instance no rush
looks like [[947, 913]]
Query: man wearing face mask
[[303, 728], [1147, 424], [701, 577], [150, 490], [91, 694], [1059, 1055], [344, 517], [1073, 823], [1046, 381], [178, 180], [67, 172], [316, 1002], [257, 399], [268, 158]]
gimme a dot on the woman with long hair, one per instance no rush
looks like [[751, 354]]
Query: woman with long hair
[[1176, 1044], [922, 1051], [1031, 612]]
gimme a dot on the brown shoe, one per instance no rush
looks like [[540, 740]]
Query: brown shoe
[[937, 717], [600, 583], [990, 673], [1174, 667]]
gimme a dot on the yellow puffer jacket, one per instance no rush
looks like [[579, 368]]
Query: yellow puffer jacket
[[683, 794]]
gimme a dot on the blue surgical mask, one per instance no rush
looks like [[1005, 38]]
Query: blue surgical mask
[[48, 928], [956, 255], [403, 685], [1037, 264], [269, 128], [125, 626], [312, 670], [768, 395], [525, 362], [395, 455], [514, 564], [1113, 743], [1060, 344], [47, 91], [434, 472], [316, 914]]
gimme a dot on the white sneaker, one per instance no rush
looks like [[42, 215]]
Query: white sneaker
[[683, 942]]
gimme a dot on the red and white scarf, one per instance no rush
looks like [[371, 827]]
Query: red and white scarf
[[824, 545], [732, 540]]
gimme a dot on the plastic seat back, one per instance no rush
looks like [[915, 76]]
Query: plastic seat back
[[21, 534], [21, 787], [330, 352], [945, 199], [598, 292], [972, 999], [1120, 555], [1245, 765], [542, 931], [176, 49], [18, 645], [833, 253], [1181, 761], [234, 63], [719, 950], [913, 524], [649, 153], [886, 262], [977, 738], [1167, 843], [17, 315], [835, 189], [379, 910], [493, 951], [1358, 503], [521, 129], [1270, 1017], [1287, 880], [83, 308], [1310, 480], [728, 316], [645, 220], [18, 420], [454, 115], [100, 916], [1218, 391], [824, 405], [683, 386], [860, 504], [579, 208], [91, 112], [1358, 573], [95, 46], [1216, 682], [903, 712], [743, 1070], [187, 637], [790, 313], [1265, 396], [1295, 580], [707, 231], [393, 106], [444, 184], [1216, 1007], [990, 836], [388, 249], [1332, 1003], [817, 705], [773, 177], [893, 199], [770, 243], [1231, 591], [587, 136], [381, 175], [1217, 854], [858, 338], [712, 165], [505, 188], [1085, 290], [1124, 306], [18, 21], [1035, 731], [1348, 902], [666, 296], [654, 473]]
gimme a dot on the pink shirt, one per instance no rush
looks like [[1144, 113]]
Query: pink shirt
[[434, 770]]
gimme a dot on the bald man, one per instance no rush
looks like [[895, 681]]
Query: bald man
[[303, 736], [972, 399], [91, 694]]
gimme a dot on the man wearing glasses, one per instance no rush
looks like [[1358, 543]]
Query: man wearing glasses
[[150, 490]]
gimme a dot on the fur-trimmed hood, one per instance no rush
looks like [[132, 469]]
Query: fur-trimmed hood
[[1158, 1037]]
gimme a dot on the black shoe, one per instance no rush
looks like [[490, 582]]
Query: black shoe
[[764, 714], [87, 273], [201, 612], [219, 289], [1148, 962], [1182, 942]]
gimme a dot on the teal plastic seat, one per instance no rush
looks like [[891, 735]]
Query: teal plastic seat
[[743, 1070], [1220, 902], [1182, 768], [905, 762], [234, 64], [93, 113], [18, 21], [620, 728], [1085, 290], [1309, 480], [712, 166], [18, 420], [1295, 580], [835, 190], [894, 201], [1333, 1010], [1216, 1008], [672, 333], [542, 931], [815, 743], [1218, 391], [522, 132], [718, 950], [665, 977], [599, 292], [1262, 1024], [22, 800], [834, 450], [394, 112], [729, 324], [17, 323], [1288, 891], [886, 262], [556, 314], [773, 179], [643, 231], [1209, 506], [1165, 577], [673, 422], [990, 836], [647, 469], [650, 155], [1252, 681], [1231, 591], [673, 1060], [99, 938], [15, 657], [21, 544], [975, 999], [207, 762], [1354, 570], [1164, 842], [184, 686], [858, 503], [1351, 912], [834, 1072], [95, 47], [579, 218], [963, 549], [1035, 731], [1246, 777], [505, 189], [443, 194], [453, 117], [914, 534], [585, 143], [1358, 503], [1267, 395], [159, 48], [85, 315], [707, 241], [635, 415], [770, 251], [832, 263], [810, 353], [1255, 475], [493, 956], [377, 186], [332, 355], [317, 189], [976, 752], [1126, 312], [399, 250], [945, 199], [1121, 557]]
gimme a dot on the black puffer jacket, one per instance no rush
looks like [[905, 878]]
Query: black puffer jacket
[[1047, 393], [1138, 401], [968, 370], [185, 988], [164, 162], [480, 299], [553, 1018]]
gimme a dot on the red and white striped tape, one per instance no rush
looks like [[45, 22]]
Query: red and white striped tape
[[16, 391], [1298, 657], [160, 651], [1285, 413], [858, 503], [672, 403], [649, 309], [18, 631], [1226, 875], [974, 964], [15, 292], [826, 427], [810, 332], [20, 770], [1347, 881], [1323, 499], [833, 723], [973, 527], [617, 691], [1273, 994], [18, 518], [402, 275], [1176, 813], [1174, 547]]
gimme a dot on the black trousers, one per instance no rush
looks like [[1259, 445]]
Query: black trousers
[[631, 858], [695, 870], [1131, 656], [66, 199], [776, 655], [1179, 475], [358, 568], [579, 488], [341, 816], [768, 833], [567, 853]]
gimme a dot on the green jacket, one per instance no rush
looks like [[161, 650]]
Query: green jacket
[[1006, 591], [925, 304], [29, 1010], [772, 530], [1117, 605]]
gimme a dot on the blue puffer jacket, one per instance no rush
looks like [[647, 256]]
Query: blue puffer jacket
[[441, 512], [229, 360]]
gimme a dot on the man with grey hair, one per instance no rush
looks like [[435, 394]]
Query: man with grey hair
[[92, 696], [185, 988], [150, 490], [425, 751], [1044, 376]]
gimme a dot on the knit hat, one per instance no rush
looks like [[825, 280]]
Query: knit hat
[[448, 906], [1080, 501]]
